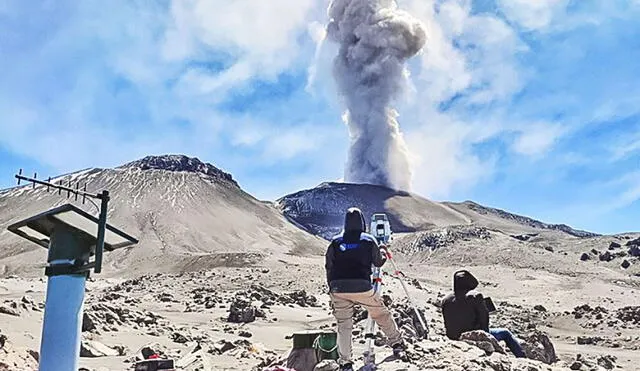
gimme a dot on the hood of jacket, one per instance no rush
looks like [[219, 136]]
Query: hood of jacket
[[354, 221], [464, 281]]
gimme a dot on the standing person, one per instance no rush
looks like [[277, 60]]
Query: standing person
[[465, 310], [349, 259]]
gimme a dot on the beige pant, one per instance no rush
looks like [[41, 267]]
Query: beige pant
[[343, 303]]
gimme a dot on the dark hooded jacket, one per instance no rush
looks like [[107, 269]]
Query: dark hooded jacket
[[350, 256], [464, 309]]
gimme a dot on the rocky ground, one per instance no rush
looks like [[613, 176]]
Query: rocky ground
[[242, 318]]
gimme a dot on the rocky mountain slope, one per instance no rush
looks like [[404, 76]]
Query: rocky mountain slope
[[492, 217], [321, 211], [186, 214]]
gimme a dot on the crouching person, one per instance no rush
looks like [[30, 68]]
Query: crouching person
[[465, 310], [349, 259]]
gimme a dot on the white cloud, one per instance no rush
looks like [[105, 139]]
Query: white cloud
[[533, 14], [216, 85], [537, 138], [291, 143], [165, 101], [443, 67], [442, 156], [470, 58], [247, 137], [287, 143], [260, 35], [630, 192], [630, 195], [465, 53], [625, 147], [472, 69], [320, 82], [618, 193], [497, 75]]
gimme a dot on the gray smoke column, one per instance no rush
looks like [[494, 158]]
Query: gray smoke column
[[375, 39]]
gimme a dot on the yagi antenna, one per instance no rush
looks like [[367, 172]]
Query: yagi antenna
[[70, 188], [102, 209]]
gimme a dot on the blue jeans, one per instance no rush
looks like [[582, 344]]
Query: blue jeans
[[507, 336]]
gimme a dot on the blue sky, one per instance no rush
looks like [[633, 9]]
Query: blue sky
[[529, 106]]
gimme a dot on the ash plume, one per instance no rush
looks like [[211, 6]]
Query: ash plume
[[375, 40]]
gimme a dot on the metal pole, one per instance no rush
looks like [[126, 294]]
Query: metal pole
[[369, 354], [61, 330], [413, 306], [102, 222]]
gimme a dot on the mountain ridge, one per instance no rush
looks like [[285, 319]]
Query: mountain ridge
[[179, 163], [190, 216], [526, 220], [185, 210], [453, 212], [320, 209]]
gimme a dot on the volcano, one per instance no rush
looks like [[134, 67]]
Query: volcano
[[320, 210]]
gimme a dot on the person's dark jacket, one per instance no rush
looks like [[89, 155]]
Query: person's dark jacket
[[464, 309], [350, 256]]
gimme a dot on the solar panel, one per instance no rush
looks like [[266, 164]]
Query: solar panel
[[38, 229]]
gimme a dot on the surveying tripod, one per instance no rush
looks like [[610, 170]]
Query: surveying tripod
[[381, 230]]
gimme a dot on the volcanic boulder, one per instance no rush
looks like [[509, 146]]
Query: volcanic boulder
[[538, 346], [241, 311], [482, 340]]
